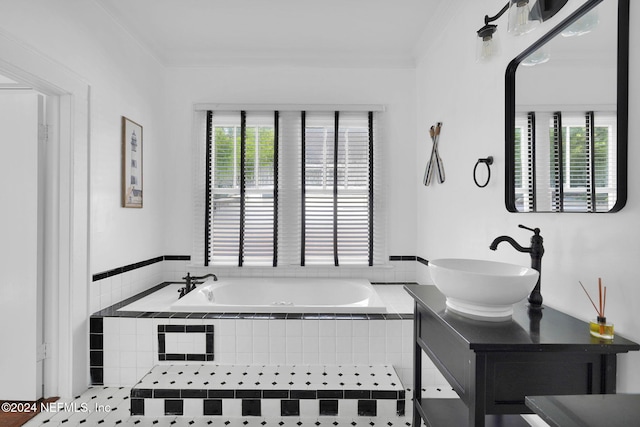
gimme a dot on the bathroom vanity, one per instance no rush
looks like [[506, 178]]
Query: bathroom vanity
[[611, 410], [492, 366]]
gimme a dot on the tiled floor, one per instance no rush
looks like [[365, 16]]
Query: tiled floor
[[109, 406], [217, 376]]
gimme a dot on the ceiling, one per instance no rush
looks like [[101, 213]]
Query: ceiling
[[321, 32]]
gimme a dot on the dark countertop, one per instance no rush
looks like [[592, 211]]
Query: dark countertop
[[598, 410], [547, 329]]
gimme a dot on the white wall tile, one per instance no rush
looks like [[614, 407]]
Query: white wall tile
[[360, 328], [310, 328], [278, 358], [343, 328], [244, 344], [311, 358], [344, 358], [310, 344], [277, 328], [293, 328], [128, 376], [127, 342], [294, 344], [327, 328], [111, 359], [261, 327], [277, 344], [128, 359], [244, 327], [261, 358], [344, 344], [377, 328]]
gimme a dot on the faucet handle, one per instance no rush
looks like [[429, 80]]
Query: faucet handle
[[533, 230]]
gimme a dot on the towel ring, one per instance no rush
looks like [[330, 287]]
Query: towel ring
[[488, 161]]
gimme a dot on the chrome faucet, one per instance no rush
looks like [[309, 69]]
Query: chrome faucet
[[191, 282], [536, 250]]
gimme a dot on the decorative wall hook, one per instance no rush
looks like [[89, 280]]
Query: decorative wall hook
[[487, 161], [435, 162]]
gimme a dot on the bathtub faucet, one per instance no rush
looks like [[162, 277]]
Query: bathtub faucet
[[191, 282], [536, 251]]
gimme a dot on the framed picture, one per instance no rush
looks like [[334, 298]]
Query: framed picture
[[131, 164]]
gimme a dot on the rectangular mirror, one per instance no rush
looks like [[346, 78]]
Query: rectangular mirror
[[566, 115]]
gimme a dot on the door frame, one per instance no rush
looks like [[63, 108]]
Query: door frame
[[67, 270]]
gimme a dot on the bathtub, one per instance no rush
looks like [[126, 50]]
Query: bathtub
[[265, 295], [282, 295]]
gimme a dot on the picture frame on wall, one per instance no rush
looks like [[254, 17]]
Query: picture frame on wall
[[131, 164]]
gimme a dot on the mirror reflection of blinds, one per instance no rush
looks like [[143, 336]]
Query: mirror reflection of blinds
[[557, 164], [262, 174], [531, 161], [582, 177], [590, 185]]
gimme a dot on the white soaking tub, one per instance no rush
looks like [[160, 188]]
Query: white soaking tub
[[282, 295]]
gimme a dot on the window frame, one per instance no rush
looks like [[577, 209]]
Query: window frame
[[204, 174]]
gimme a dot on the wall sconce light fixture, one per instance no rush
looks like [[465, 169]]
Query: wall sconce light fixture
[[524, 16]]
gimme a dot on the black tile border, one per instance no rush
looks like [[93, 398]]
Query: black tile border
[[253, 408], [119, 270], [96, 350], [126, 268], [207, 356], [212, 407], [328, 407], [243, 393], [409, 258], [402, 258]]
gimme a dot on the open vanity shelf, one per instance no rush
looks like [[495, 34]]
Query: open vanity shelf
[[492, 366]]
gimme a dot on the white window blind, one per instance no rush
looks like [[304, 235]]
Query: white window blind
[[338, 184], [241, 209], [290, 188]]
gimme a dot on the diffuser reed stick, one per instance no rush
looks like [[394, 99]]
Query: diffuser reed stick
[[589, 296]]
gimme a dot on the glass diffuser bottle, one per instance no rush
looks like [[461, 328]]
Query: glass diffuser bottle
[[601, 329]]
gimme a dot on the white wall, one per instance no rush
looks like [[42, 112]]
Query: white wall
[[458, 219], [125, 81], [394, 88], [61, 41]]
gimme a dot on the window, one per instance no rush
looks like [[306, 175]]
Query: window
[[289, 188]]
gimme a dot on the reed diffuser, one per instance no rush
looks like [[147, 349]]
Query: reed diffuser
[[600, 328]]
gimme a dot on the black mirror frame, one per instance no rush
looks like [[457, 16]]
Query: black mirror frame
[[622, 101]]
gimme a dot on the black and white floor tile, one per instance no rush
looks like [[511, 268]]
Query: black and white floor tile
[[109, 407]]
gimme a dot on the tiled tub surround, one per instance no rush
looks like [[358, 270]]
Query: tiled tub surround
[[112, 286], [125, 345]]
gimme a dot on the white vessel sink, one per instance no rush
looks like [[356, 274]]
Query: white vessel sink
[[481, 289]]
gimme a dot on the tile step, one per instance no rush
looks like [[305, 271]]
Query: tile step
[[269, 391]]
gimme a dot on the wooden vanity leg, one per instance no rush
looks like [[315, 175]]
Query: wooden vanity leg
[[417, 368], [608, 374], [477, 392]]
